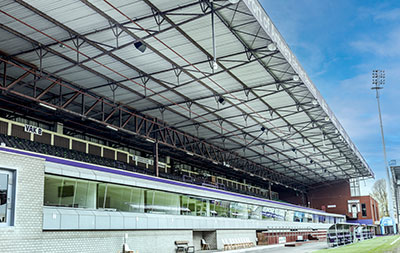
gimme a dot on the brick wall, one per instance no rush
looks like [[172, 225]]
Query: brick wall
[[336, 194], [370, 204]]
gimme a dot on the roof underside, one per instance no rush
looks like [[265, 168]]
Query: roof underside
[[90, 44]]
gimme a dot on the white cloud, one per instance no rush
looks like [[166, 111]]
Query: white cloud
[[388, 15], [379, 43]]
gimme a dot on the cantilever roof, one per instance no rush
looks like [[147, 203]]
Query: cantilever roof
[[272, 113]]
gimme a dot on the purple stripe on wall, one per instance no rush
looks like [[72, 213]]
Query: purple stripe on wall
[[141, 176]]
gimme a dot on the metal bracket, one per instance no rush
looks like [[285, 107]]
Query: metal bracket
[[41, 55], [77, 45], [189, 105], [204, 5], [177, 72], [114, 29], [144, 78], [158, 18]]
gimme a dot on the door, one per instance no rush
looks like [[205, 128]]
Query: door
[[354, 211]]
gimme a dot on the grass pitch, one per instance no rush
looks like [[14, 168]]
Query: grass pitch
[[378, 244]]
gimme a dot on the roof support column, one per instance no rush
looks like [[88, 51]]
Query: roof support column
[[269, 190], [155, 158]]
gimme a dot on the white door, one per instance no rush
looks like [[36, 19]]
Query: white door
[[354, 211]]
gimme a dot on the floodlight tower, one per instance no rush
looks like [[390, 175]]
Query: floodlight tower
[[378, 80]]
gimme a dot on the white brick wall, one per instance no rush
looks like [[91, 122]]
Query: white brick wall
[[29, 201], [27, 234]]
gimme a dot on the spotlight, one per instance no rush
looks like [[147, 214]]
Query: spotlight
[[271, 47], [233, 1], [262, 128], [296, 78], [311, 161], [326, 118], [221, 100], [293, 149], [61, 45], [314, 102], [215, 65], [140, 46]]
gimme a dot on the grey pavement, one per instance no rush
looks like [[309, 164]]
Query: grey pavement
[[305, 248]]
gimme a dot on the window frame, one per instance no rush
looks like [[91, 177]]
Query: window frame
[[364, 208], [10, 211]]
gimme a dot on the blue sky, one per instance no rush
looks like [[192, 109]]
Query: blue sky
[[339, 43]]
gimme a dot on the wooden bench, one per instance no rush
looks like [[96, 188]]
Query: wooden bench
[[183, 246]]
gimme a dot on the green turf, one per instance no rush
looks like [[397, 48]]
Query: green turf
[[378, 244]]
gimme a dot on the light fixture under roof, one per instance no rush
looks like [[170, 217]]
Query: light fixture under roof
[[150, 140], [140, 46], [112, 128], [215, 65], [262, 129], [272, 47], [314, 102], [48, 106], [326, 118], [221, 100], [296, 78], [233, 1]]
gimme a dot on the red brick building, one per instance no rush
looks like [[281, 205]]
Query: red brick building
[[339, 198]]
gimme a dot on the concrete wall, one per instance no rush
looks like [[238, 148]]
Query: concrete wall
[[197, 236]]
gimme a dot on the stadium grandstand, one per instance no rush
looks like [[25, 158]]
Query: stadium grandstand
[[156, 126]]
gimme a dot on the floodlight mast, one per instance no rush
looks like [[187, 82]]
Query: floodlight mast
[[378, 80]]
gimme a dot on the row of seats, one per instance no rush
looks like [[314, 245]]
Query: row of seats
[[38, 147], [237, 243], [15, 142]]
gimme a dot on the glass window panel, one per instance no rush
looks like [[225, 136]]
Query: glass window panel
[[162, 202], [289, 215], [279, 214], [254, 212], [193, 206], [66, 192], [238, 210], [85, 194], [136, 202], [221, 208], [268, 213], [298, 217], [3, 197], [201, 207], [185, 205], [101, 193], [52, 184], [308, 218], [118, 197]]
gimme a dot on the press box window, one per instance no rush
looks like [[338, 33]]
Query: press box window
[[7, 192]]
